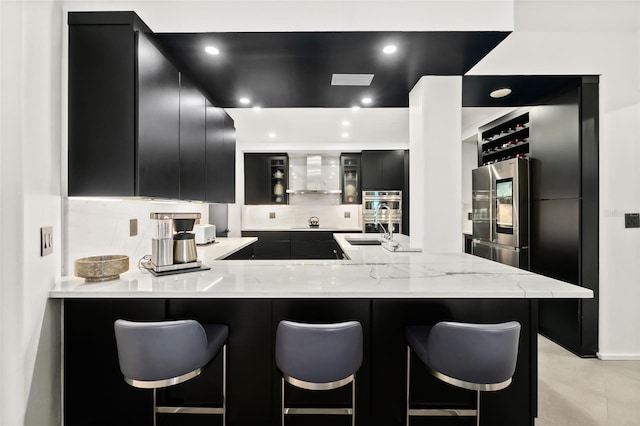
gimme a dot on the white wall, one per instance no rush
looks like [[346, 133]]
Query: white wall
[[30, 152], [598, 37], [469, 162]]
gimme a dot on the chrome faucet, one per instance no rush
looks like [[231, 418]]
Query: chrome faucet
[[388, 234]]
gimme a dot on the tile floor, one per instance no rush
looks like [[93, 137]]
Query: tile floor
[[586, 392]]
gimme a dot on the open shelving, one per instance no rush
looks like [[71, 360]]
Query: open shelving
[[504, 140]]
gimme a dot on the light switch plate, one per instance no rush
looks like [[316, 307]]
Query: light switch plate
[[272, 215], [46, 240], [133, 227], [347, 215]]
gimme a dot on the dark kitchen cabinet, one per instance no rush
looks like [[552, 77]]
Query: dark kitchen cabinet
[[271, 244], [192, 141], [137, 125], [383, 170], [314, 245], [266, 178], [124, 102], [220, 157], [350, 179]]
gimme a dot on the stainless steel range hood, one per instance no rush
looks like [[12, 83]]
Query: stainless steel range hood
[[315, 183]]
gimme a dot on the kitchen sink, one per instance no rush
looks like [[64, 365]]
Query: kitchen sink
[[360, 241]]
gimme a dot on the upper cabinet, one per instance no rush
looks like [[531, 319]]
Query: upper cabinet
[[220, 157], [266, 178], [137, 126], [350, 178], [383, 170]]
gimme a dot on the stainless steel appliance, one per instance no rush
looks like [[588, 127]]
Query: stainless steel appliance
[[173, 246], [381, 209], [500, 202]]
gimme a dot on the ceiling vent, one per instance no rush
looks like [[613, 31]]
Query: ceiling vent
[[351, 79]]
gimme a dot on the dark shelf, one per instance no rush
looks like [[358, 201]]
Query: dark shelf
[[522, 133]]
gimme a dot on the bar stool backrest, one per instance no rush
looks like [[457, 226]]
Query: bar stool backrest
[[475, 353], [319, 353], [152, 351]]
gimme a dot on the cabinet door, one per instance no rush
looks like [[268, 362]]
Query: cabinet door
[[555, 148], [256, 179], [228, 190], [192, 141], [158, 142], [271, 244], [101, 110], [371, 169], [393, 170], [220, 156]]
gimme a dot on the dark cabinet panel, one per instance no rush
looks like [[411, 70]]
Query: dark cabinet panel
[[101, 110], [271, 244], [221, 156], [314, 245], [383, 170], [555, 148], [158, 122], [265, 178], [192, 141], [350, 179]]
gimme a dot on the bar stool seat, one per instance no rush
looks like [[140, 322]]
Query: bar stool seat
[[155, 355], [480, 357], [318, 357]]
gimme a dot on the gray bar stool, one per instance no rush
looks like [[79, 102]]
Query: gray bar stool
[[319, 357], [155, 355], [480, 357]]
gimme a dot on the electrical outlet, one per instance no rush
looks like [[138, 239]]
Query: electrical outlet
[[469, 216], [347, 215], [46, 240], [133, 227], [632, 220], [272, 215]]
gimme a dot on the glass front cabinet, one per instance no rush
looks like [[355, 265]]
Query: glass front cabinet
[[350, 179]]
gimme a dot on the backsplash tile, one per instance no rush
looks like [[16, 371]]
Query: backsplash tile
[[99, 226], [256, 217]]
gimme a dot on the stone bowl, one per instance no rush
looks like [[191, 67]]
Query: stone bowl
[[101, 268]]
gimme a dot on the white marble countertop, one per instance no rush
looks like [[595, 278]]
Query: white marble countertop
[[301, 228], [372, 272], [223, 247]]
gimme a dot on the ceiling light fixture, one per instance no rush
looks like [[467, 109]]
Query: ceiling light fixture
[[355, 108], [245, 101], [345, 135], [345, 123], [211, 50], [272, 135], [257, 108], [389, 49], [367, 101], [500, 93]]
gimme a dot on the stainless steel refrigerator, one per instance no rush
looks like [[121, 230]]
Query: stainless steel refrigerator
[[500, 202]]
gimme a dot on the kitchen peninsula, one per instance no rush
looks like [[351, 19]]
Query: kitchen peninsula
[[383, 290]]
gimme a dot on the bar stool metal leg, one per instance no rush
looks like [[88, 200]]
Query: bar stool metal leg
[[224, 384], [353, 402], [408, 382]]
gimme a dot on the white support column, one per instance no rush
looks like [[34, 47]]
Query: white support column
[[435, 109]]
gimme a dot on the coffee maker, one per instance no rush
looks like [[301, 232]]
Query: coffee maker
[[173, 246]]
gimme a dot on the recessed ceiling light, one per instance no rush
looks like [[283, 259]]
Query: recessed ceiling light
[[272, 135], [389, 49], [345, 135], [245, 101], [367, 101], [355, 108], [257, 108], [211, 50], [500, 93], [345, 123]]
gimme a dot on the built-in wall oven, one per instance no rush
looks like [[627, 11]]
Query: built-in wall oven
[[378, 208]]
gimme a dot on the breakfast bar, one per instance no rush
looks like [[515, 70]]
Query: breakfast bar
[[382, 289]]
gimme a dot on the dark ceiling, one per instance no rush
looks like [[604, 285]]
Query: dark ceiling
[[286, 70]]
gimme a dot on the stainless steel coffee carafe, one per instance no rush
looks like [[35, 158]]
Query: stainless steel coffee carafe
[[184, 248]]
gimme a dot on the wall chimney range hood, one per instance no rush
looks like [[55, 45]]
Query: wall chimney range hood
[[315, 182]]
